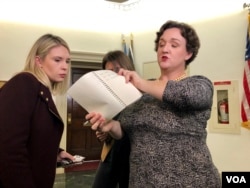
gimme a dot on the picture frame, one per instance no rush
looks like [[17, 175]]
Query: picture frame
[[2, 83], [225, 114]]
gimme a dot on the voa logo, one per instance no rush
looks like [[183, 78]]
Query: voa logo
[[236, 179]]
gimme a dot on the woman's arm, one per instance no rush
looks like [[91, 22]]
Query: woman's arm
[[63, 154], [17, 97], [195, 92], [152, 87], [99, 123]]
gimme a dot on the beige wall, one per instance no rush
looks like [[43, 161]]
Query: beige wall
[[221, 57]]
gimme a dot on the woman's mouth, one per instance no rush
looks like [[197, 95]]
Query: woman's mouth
[[164, 58]]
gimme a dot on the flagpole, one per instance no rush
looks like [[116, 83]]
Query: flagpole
[[131, 41]]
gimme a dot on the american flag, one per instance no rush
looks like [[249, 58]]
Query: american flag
[[245, 104]]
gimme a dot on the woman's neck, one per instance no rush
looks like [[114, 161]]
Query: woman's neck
[[175, 77]]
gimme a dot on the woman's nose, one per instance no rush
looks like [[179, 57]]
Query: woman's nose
[[165, 48], [65, 65]]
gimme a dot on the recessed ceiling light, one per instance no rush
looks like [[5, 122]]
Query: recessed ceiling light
[[117, 1]]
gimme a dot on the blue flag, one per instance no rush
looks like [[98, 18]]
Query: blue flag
[[128, 48]]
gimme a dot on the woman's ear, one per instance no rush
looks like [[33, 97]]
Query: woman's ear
[[38, 62], [188, 56]]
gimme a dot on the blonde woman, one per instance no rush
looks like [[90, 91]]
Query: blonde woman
[[30, 125]]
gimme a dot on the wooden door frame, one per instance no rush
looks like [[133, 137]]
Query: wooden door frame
[[80, 60]]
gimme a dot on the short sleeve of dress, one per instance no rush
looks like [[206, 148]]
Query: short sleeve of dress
[[194, 92]]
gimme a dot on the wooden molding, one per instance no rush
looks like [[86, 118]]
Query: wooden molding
[[87, 56]]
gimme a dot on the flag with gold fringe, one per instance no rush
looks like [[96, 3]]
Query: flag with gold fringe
[[245, 103], [128, 47]]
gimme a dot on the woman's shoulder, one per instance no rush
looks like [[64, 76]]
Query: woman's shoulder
[[22, 85], [24, 80], [201, 78], [25, 76]]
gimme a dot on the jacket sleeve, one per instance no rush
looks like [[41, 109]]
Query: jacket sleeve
[[17, 98]]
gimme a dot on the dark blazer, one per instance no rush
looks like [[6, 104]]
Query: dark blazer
[[30, 134]]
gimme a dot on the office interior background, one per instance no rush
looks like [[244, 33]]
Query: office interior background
[[95, 27]]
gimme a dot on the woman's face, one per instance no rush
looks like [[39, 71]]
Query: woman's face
[[112, 66], [172, 53], [55, 64]]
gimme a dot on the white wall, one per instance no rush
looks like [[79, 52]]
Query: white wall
[[221, 57]]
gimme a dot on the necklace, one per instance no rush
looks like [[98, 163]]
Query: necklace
[[180, 77]]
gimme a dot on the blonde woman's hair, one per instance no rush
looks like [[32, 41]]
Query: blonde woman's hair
[[41, 48]]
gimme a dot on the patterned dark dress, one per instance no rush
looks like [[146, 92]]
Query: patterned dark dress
[[168, 137]]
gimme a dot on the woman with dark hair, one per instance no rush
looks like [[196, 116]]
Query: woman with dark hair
[[167, 125], [113, 169]]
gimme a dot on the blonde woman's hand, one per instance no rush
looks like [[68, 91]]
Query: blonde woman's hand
[[63, 154]]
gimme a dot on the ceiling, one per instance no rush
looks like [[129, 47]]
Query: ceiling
[[106, 16]]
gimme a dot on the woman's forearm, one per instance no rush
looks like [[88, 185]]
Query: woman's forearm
[[116, 131], [154, 88]]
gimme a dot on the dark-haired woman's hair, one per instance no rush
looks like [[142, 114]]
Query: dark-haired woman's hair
[[118, 57]]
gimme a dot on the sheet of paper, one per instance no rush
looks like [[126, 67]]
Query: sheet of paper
[[103, 91]]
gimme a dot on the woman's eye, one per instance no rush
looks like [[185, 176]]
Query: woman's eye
[[161, 44], [174, 45], [57, 59]]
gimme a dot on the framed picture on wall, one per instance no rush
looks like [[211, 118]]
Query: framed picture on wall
[[225, 115], [2, 83]]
